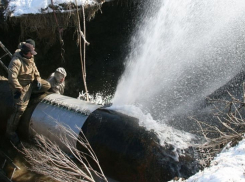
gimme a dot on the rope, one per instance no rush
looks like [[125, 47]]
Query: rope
[[84, 44], [82, 56]]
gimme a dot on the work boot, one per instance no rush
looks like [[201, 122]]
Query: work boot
[[14, 119], [14, 139]]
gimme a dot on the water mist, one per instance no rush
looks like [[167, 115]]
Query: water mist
[[181, 52]]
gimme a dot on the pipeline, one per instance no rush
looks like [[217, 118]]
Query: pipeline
[[126, 151]]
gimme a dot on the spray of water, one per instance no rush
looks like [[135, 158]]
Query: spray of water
[[182, 52], [99, 98]]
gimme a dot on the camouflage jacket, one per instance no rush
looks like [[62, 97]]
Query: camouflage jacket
[[22, 71], [55, 86]]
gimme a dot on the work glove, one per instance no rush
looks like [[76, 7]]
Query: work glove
[[17, 94], [39, 85]]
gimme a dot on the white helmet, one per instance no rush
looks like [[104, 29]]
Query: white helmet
[[61, 70]]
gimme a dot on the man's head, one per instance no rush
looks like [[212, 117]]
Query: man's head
[[28, 50], [60, 74], [30, 41]]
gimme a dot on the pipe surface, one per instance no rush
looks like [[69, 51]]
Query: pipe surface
[[126, 150], [56, 109]]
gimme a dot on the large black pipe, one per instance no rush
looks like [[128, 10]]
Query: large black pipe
[[127, 152]]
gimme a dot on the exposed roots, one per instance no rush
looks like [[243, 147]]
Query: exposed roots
[[52, 21], [228, 132], [49, 159]]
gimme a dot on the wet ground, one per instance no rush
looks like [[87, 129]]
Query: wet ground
[[7, 150], [11, 157]]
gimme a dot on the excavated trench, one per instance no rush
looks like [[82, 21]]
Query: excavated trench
[[108, 34]]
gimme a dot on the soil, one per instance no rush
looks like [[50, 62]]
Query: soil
[[108, 33], [20, 175]]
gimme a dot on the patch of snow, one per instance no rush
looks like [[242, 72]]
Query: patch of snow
[[228, 166]]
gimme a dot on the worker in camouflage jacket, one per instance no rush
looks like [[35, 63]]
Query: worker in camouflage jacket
[[24, 79]]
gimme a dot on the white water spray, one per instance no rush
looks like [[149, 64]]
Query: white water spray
[[182, 53]]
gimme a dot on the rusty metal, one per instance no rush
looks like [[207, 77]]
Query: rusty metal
[[6, 53], [5, 49], [4, 67], [9, 161]]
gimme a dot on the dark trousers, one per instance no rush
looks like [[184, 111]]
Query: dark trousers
[[21, 103]]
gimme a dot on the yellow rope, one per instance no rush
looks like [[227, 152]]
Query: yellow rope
[[83, 62]]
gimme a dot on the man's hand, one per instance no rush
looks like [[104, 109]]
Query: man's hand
[[39, 85]]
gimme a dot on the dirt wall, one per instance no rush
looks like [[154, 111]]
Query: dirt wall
[[108, 33]]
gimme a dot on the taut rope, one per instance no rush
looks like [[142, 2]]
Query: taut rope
[[82, 57]]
